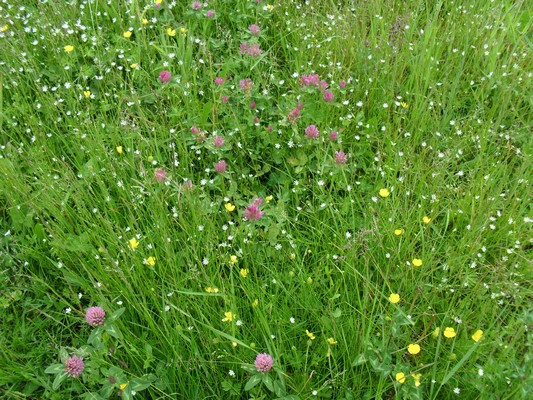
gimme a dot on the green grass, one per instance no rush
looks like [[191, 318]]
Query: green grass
[[436, 109]]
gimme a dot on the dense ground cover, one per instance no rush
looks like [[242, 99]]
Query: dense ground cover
[[292, 200]]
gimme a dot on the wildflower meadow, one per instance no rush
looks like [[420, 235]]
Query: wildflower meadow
[[266, 199]]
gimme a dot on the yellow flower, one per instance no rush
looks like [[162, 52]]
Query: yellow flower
[[133, 243], [228, 316], [119, 149], [183, 30], [310, 335], [331, 341], [426, 220], [268, 199], [87, 93], [244, 272], [233, 260], [309, 280], [269, 7], [477, 335], [398, 232], [234, 344], [417, 262], [255, 303], [413, 348], [127, 34], [158, 1], [404, 104], [4, 28], [394, 298], [449, 332], [229, 207], [123, 386], [435, 333], [384, 192], [210, 289], [150, 159], [417, 377], [68, 48], [293, 256], [134, 66], [400, 377], [171, 32], [145, 21], [150, 261]]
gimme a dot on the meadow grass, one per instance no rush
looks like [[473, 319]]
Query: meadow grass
[[385, 256]]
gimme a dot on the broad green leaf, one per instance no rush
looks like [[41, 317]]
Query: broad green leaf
[[267, 380], [58, 380], [252, 382], [55, 369], [117, 313]]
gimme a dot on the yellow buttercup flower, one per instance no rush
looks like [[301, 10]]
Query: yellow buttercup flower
[[158, 1], [417, 377], [449, 332], [123, 386], [87, 93], [68, 48], [134, 66], [310, 335], [233, 260], [426, 220], [145, 21], [268, 199], [477, 335], [384, 193], [4, 28], [417, 262], [398, 232], [394, 298], [119, 149], [331, 341], [229, 207], [244, 272], [400, 377], [403, 104], [171, 32], [127, 34], [210, 289], [228, 316], [414, 348], [133, 243], [255, 303], [150, 261], [183, 30]]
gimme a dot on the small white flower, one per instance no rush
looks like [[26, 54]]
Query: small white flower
[[292, 320], [231, 372], [457, 390], [68, 310]]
